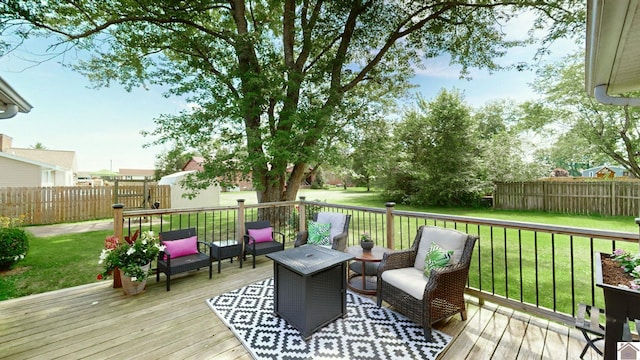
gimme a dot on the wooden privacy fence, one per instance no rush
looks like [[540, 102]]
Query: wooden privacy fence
[[60, 204], [609, 198]]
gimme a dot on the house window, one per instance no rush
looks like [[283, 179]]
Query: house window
[[47, 178]]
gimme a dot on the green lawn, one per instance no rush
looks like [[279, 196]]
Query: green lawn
[[68, 260]]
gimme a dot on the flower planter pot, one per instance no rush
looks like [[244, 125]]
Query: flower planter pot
[[130, 287], [367, 245], [117, 281], [620, 304]]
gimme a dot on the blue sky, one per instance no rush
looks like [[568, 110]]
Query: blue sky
[[103, 125]]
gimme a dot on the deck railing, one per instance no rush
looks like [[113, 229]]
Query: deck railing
[[545, 270]]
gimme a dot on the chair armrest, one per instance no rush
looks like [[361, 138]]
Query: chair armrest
[[301, 238], [247, 239], [164, 256], [397, 260], [340, 241], [278, 233], [207, 245], [447, 281]]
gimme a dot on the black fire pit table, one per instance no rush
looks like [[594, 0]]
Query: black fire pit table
[[310, 286]]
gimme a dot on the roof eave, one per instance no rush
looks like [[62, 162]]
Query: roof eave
[[607, 25], [8, 96]]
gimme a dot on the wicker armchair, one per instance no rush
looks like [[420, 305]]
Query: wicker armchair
[[426, 300], [339, 235]]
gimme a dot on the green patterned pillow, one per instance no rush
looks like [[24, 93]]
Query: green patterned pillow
[[436, 258], [319, 233]]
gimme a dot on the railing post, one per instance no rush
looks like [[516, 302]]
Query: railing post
[[390, 225], [240, 234], [118, 209], [302, 224], [118, 219]]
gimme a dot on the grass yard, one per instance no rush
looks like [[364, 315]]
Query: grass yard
[[68, 260]]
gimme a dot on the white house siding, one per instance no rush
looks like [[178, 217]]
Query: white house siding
[[19, 174], [62, 178]]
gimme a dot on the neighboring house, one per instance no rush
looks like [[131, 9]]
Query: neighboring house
[[605, 171], [21, 172], [11, 103], [136, 174], [35, 167], [196, 163]]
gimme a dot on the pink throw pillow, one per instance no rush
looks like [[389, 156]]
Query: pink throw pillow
[[260, 235], [181, 247]]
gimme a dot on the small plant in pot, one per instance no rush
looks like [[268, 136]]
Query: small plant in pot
[[132, 259], [366, 242]]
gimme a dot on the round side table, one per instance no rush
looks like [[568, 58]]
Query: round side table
[[361, 279]]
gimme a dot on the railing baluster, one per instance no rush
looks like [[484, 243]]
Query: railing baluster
[[573, 282], [506, 265], [535, 242], [593, 285], [520, 264], [493, 277], [553, 269]]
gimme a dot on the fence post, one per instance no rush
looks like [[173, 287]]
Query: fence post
[[240, 233], [302, 215], [390, 225], [614, 197], [118, 209]]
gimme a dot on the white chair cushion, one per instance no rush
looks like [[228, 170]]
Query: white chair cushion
[[447, 239], [409, 280], [336, 220]]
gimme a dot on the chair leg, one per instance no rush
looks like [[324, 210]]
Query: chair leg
[[168, 281], [379, 300], [157, 275], [591, 343], [427, 334], [463, 314], [254, 261]]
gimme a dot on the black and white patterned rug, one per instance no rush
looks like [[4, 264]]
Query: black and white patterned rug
[[367, 332]]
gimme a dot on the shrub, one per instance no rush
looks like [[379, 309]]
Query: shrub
[[14, 244]]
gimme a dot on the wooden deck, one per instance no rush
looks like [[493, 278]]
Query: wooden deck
[[97, 322]]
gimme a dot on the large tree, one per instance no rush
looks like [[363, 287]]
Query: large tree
[[437, 160], [277, 82], [504, 147], [569, 113], [371, 150]]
